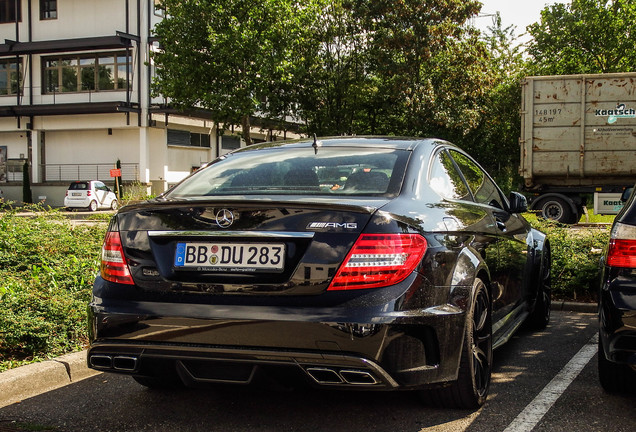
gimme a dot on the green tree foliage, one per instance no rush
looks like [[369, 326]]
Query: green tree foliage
[[588, 36], [495, 141], [235, 58], [408, 67], [429, 66], [337, 88]]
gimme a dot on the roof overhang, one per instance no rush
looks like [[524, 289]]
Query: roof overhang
[[68, 109], [120, 40]]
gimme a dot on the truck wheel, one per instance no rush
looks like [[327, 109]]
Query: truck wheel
[[557, 209]]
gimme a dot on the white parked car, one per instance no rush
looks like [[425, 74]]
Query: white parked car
[[90, 194]]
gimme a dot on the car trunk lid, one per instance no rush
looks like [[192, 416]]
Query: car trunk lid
[[241, 246]]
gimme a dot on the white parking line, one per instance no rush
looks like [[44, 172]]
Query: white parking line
[[541, 404]]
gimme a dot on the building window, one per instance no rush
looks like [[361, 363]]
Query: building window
[[230, 142], [9, 77], [81, 73], [160, 9], [8, 11], [189, 139], [48, 9]]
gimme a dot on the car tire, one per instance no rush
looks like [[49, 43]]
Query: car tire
[[92, 206], [473, 379], [614, 377], [114, 205], [557, 209], [540, 316]]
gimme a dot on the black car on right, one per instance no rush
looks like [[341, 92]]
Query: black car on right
[[617, 303]]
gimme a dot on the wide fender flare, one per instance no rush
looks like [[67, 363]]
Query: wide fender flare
[[469, 266]]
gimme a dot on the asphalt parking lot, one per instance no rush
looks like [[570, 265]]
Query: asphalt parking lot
[[544, 381]]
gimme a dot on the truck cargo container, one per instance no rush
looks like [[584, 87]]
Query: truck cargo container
[[578, 138]]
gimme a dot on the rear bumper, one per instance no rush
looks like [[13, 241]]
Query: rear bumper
[[373, 346], [204, 364], [617, 319], [76, 202]]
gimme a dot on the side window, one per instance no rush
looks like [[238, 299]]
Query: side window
[[484, 190], [445, 179]]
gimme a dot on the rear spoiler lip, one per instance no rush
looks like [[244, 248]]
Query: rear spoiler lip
[[366, 205]]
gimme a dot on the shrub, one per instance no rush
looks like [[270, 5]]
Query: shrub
[[575, 259], [47, 267]]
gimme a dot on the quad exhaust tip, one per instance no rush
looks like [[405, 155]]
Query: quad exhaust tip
[[329, 376], [120, 363]]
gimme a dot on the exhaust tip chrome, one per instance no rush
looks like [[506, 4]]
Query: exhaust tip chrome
[[358, 377], [324, 375], [125, 363], [99, 361]]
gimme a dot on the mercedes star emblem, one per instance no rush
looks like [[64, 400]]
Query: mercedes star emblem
[[224, 218]]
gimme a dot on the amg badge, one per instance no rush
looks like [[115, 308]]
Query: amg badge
[[326, 225]]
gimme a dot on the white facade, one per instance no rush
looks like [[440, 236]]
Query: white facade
[[84, 102]]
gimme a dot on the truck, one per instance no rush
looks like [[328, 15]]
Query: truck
[[578, 140]]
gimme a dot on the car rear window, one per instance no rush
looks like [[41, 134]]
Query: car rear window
[[78, 186], [300, 171]]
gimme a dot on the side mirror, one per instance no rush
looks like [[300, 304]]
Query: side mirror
[[518, 203], [626, 193]]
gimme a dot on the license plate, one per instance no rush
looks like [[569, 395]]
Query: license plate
[[76, 194], [242, 257]]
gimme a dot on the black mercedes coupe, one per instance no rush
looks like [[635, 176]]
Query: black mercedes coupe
[[349, 262]]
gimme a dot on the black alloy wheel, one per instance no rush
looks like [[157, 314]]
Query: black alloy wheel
[[540, 316], [473, 380]]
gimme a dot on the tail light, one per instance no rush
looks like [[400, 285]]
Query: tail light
[[622, 246], [379, 260], [88, 193], [114, 267]]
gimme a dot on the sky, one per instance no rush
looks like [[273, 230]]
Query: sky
[[513, 12]]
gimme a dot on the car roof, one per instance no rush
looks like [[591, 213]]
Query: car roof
[[397, 143]]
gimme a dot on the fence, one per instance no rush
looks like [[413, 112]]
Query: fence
[[70, 172]]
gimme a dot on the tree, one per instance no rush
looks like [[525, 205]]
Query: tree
[[428, 68], [588, 36], [235, 58], [332, 93], [495, 141], [406, 68]]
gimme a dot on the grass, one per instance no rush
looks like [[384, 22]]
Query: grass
[[594, 218]]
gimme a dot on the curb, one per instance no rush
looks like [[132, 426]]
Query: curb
[[575, 306], [37, 378]]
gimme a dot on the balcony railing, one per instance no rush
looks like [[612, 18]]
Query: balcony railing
[[71, 172]]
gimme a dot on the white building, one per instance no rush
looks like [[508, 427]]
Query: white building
[[75, 97]]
